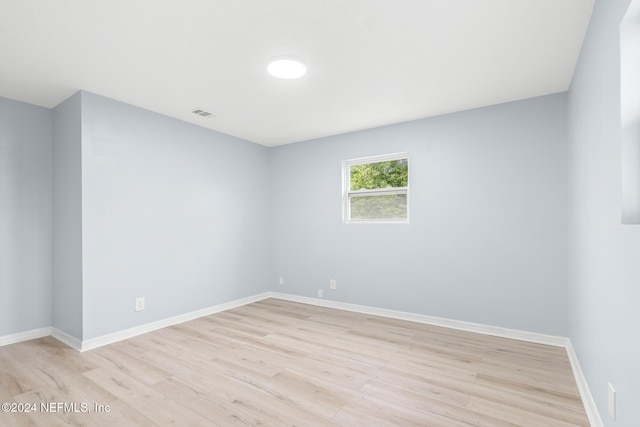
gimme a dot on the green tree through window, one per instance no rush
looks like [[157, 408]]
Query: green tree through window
[[377, 190], [370, 176]]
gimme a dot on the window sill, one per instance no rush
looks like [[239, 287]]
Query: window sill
[[365, 221]]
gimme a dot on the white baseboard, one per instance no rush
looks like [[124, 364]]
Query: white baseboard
[[92, 343], [587, 399], [153, 326], [67, 339], [431, 320], [25, 336]]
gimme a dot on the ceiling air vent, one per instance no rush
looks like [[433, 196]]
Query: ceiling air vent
[[203, 113]]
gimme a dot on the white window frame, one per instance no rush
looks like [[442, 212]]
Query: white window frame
[[347, 193], [630, 113]]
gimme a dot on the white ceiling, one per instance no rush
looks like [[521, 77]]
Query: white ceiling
[[370, 62]]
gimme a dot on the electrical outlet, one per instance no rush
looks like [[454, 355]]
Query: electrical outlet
[[320, 293], [140, 304], [281, 280], [612, 401], [332, 284]]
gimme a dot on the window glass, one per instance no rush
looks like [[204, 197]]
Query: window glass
[[377, 189]]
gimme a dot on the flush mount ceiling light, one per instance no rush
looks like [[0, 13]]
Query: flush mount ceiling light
[[286, 68]]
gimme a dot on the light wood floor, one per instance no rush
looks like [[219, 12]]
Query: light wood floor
[[278, 363]]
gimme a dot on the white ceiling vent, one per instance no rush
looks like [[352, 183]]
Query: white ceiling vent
[[203, 113]]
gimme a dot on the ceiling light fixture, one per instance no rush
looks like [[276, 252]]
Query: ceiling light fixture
[[286, 68]]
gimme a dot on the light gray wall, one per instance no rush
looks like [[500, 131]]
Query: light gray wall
[[67, 217], [604, 261], [172, 212], [487, 241], [25, 217]]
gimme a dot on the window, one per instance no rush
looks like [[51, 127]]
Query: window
[[376, 189], [630, 113]]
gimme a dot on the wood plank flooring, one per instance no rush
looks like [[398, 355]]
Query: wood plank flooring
[[279, 363]]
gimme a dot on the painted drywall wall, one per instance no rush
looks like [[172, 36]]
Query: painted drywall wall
[[172, 212], [67, 217], [604, 263], [487, 241], [25, 217]]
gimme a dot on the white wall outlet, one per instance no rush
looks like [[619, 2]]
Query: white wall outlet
[[612, 401], [320, 293], [140, 304], [281, 280], [332, 284]]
